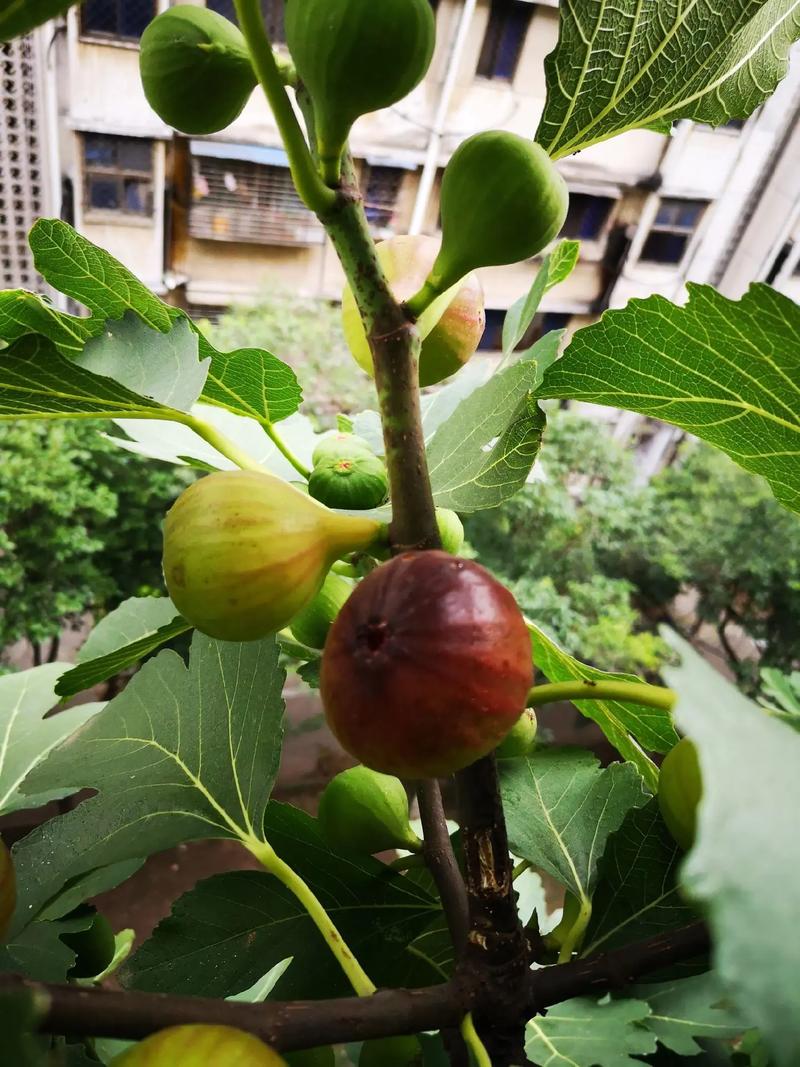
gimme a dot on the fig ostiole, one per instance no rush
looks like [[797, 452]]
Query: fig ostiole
[[361, 810], [521, 738], [391, 1052], [195, 69], [199, 1045], [357, 483], [356, 56], [515, 202], [427, 666], [455, 336], [680, 790], [311, 625], [341, 446], [8, 890], [244, 552]]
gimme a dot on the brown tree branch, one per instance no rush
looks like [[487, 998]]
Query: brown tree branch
[[441, 861]]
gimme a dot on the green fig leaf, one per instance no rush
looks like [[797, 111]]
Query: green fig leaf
[[690, 1008], [615, 69], [223, 933], [629, 727], [727, 371], [21, 16], [90, 884], [132, 631], [556, 267], [618, 1035], [38, 952], [28, 737], [745, 841], [154, 756]]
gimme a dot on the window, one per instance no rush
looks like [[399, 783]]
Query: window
[[117, 18], [674, 225], [238, 200], [272, 10], [587, 216], [118, 174], [381, 186], [544, 322], [505, 35]]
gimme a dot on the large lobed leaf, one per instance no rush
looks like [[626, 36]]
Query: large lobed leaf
[[744, 865], [633, 64], [181, 754], [726, 371], [590, 1033]]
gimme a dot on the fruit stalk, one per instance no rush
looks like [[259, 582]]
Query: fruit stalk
[[651, 696]]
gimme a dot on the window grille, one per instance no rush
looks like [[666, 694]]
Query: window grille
[[272, 10], [381, 187], [118, 174], [236, 200], [587, 216], [504, 38], [22, 189], [123, 19], [672, 229]]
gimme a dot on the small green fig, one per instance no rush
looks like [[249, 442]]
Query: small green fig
[[363, 811], [680, 789], [502, 201], [427, 666], [195, 69], [323, 1056], [310, 626], [244, 552], [521, 738], [406, 262], [391, 1052], [451, 530], [357, 483], [94, 947], [8, 890], [200, 1045], [356, 56], [341, 446]]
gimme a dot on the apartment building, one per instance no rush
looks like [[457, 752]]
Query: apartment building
[[213, 221]]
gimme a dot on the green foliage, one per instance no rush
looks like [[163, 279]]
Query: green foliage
[[80, 526]]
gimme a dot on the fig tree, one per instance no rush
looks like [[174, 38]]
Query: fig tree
[[361, 810], [195, 68], [199, 1045], [310, 626], [406, 262], [391, 1052], [502, 201], [8, 890], [356, 56], [341, 446], [427, 666], [244, 552], [680, 789], [451, 530], [357, 483], [521, 738]]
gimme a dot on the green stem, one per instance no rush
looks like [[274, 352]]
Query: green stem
[[480, 1056], [577, 930], [285, 451], [268, 858], [521, 868], [651, 696], [422, 300], [222, 443], [313, 192], [347, 570]]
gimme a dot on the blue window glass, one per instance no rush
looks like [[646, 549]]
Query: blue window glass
[[505, 36]]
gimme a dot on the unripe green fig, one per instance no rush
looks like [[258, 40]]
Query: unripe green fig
[[502, 201], [200, 1045], [391, 1052], [357, 483], [94, 947], [244, 552], [310, 626], [427, 666], [680, 789], [521, 738], [341, 446], [406, 261], [324, 1056], [361, 810], [8, 890], [451, 530], [356, 56], [195, 69]]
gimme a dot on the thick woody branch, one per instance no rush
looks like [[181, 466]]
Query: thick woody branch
[[441, 862]]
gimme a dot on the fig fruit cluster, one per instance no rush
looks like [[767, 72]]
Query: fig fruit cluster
[[406, 262], [427, 666], [361, 810], [244, 552], [680, 790], [195, 69], [199, 1045]]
